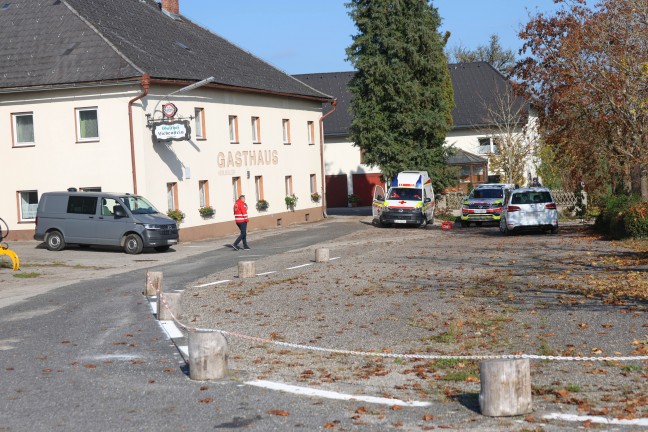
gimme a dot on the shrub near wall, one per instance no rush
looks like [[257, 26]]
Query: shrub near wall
[[614, 217], [637, 220]]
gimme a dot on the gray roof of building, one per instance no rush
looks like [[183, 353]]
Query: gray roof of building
[[335, 84], [52, 42], [476, 86], [461, 157]]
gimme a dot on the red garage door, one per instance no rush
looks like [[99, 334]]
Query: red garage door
[[336, 191], [363, 186]]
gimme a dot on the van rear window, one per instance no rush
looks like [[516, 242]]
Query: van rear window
[[82, 205]]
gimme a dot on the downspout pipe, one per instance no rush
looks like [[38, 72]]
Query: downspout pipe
[[321, 127], [145, 82]]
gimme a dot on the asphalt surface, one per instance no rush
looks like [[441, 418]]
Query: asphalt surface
[[91, 356]]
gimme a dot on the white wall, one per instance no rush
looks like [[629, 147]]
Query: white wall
[[57, 162]]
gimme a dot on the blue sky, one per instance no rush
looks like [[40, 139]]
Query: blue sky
[[309, 36]]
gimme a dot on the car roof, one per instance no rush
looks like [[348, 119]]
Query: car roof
[[495, 185], [532, 189]]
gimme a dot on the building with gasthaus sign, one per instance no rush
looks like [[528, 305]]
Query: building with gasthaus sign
[[89, 99]]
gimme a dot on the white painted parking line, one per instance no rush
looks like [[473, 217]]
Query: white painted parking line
[[596, 419], [179, 291], [266, 273], [334, 258], [333, 395], [299, 266], [170, 329], [212, 283], [184, 349], [153, 306]]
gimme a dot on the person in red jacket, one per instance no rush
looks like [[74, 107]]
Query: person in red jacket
[[241, 219]]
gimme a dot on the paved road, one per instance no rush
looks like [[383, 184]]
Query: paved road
[[90, 356]]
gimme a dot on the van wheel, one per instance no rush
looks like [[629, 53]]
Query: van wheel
[[161, 248], [133, 244], [55, 241]]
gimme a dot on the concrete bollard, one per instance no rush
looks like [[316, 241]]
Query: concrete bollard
[[173, 306], [208, 354], [246, 269], [505, 387], [153, 283], [321, 255]]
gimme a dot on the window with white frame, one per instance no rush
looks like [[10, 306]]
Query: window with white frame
[[203, 193], [199, 122], [172, 196], [23, 129], [311, 132], [256, 130], [87, 123], [487, 146], [236, 187], [285, 124], [28, 205], [289, 186], [313, 183], [233, 130], [258, 183]]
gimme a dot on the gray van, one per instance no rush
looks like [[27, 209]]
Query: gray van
[[97, 218]]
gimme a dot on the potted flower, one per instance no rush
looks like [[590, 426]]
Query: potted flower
[[315, 197], [291, 201], [176, 215], [354, 200], [262, 205], [207, 211]]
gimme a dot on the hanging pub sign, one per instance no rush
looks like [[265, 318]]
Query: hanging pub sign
[[169, 110], [178, 130]]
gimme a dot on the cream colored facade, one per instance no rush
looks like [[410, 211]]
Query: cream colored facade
[[168, 174], [342, 157]]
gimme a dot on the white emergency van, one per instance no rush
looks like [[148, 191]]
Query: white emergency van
[[408, 201]]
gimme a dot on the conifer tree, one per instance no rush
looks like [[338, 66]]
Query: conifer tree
[[402, 91]]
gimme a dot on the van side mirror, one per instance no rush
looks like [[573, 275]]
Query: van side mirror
[[119, 212], [427, 200], [380, 198]]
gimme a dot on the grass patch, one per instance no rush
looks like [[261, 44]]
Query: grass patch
[[449, 336], [447, 363], [631, 368], [31, 275], [573, 388]]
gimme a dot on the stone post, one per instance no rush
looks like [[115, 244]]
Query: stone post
[[153, 283], [321, 255], [246, 269], [173, 306], [208, 354], [505, 387]]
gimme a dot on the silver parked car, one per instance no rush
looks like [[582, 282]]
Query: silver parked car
[[529, 208]]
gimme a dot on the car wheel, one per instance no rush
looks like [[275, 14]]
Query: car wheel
[[503, 227], [55, 241], [424, 223], [161, 248], [133, 244]]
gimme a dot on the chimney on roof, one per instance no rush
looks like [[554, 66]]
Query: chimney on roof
[[171, 6]]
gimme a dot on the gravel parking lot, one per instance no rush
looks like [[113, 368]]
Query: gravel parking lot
[[457, 292]]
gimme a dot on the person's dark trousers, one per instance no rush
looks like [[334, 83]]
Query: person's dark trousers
[[243, 236]]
